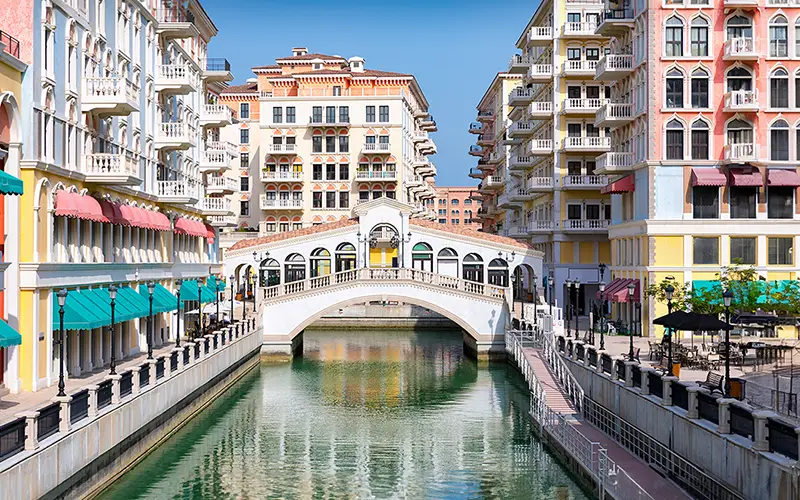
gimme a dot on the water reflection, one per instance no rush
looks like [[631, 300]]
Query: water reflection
[[373, 415]]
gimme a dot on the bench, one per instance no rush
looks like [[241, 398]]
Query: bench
[[713, 382]]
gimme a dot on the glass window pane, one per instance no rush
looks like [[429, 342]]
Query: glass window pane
[[706, 250]]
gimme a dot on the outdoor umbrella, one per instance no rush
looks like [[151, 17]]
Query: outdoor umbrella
[[682, 320]]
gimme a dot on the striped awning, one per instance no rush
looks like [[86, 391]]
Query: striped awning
[[708, 177], [8, 336], [746, 177], [624, 185], [781, 177], [617, 290]]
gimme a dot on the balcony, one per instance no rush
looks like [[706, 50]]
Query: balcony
[[176, 192], [585, 225], [613, 114], [219, 184], [493, 183], [541, 147], [475, 173], [540, 226], [520, 96], [586, 143], [375, 175], [476, 150], [486, 139], [485, 116], [217, 156], [581, 106], [540, 35], [519, 194], [578, 30], [425, 170], [741, 4], [616, 22], [281, 176], [175, 79], [539, 184], [613, 163], [215, 115], [740, 49], [476, 128], [584, 181], [541, 109], [741, 101], [428, 124], [173, 135], [612, 67], [518, 64], [579, 68], [175, 22], [223, 220], [282, 149], [505, 201], [741, 153], [376, 148], [496, 157], [518, 231], [217, 69], [276, 204], [216, 206], [521, 129], [428, 147], [539, 72], [414, 182], [119, 169], [109, 96]]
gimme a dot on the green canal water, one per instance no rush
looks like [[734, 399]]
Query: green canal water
[[382, 414]]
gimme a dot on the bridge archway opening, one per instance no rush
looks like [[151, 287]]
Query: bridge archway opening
[[320, 262], [498, 272], [422, 257], [269, 273], [473, 268], [294, 268], [345, 255], [447, 262]]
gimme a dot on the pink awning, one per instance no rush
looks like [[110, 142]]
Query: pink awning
[[79, 207], [112, 213], [746, 177], [161, 221], [780, 177], [617, 290], [708, 177], [210, 234], [190, 227], [66, 204], [130, 216], [624, 185]]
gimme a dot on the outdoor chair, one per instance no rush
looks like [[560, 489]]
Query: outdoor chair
[[713, 382]]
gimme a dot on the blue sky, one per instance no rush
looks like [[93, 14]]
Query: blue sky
[[453, 48]]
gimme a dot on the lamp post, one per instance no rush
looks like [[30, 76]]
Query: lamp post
[[568, 300], [231, 278], [216, 289], [727, 297], [576, 283], [535, 301], [550, 283], [178, 284], [62, 300], [669, 291], [151, 287], [112, 292], [631, 289], [602, 316], [253, 287], [199, 310]]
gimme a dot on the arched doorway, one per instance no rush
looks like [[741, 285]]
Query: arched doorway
[[383, 243], [522, 283], [473, 268], [270, 273], [498, 272], [422, 257], [345, 257], [295, 268], [447, 262], [320, 262]]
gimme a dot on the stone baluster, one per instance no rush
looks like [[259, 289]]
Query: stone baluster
[[115, 390], [135, 387], [167, 366], [600, 363], [761, 438], [629, 373], [31, 428], [693, 411], [210, 340], [92, 411], [64, 424], [667, 382], [191, 352], [153, 377], [644, 382]]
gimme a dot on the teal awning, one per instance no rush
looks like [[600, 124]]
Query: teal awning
[[8, 336], [81, 312], [125, 307], [714, 288], [10, 184], [214, 282], [138, 305], [189, 292], [163, 300]]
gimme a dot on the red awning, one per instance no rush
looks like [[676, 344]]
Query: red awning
[[190, 227], [66, 204], [708, 177], [112, 213], [210, 234], [617, 290], [161, 221], [130, 216], [749, 177], [779, 177], [612, 287], [90, 209], [80, 207], [624, 185]]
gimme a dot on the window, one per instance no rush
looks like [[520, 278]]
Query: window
[[277, 115], [705, 200], [573, 53], [344, 199], [778, 37], [739, 132], [739, 27], [454, 222], [384, 116], [370, 114], [674, 89], [330, 144], [330, 199], [244, 136], [316, 172], [780, 201], [743, 202], [383, 139], [291, 114], [270, 227], [330, 172], [344, 171], [283, 227], [344, 144], [674, 150], [673, 37], [244, 110], [442, 211], [316, 114], [344, 114], [244, 161], [454, 202], [316, 144], [779, 141], [592, 54], [316, 199], [699, 37], [780, 251], [442, 221], [699, 140], [244, 184], [739, 79], [390, 195], [699, 89], [706, 250], [330, 114], [574, 212], [244, 208], [467, 201], [779, 89], [337, 90], [743, 250]]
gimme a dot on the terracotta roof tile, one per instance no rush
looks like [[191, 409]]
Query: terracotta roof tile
[[365, 73], [471, 233], [241, 89], [269, 66], [306, 231], [309, 57]]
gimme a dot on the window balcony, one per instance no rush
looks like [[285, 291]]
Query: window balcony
[[174, 135], [476, 150], [276, 204], [741, 4], [216, 206], [492, 183], [215, 115], [485, 116], [119, 169], [539, 72], [612, 67], [741, 153], [175, 79], [372, 175], [586, 143], [476, 128], [217, 157], [518, 231], [223, 220], [540, 226], [428, 147], [520, 96], [219, 184], [486, 139], [578, 30], [585, 225], [506, 201], [541, 147], [613, 114], [581, 106], [475, 173], [740, 49], [281, 176], [541, 109], [496, 157], [428, 124], [540, 184], [613, 163], [579, 68], [176, 192], [616, 22], [419, 136], [540, 35], [520, 194], [584, 181], [521, 129], [426, 170], [217, 69], [741, 101], [518, 64], [414, 182], [109, 96], [175, 22], [376, 148], [281, 148]]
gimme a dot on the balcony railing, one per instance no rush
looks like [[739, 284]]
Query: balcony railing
[[541, 146], [518, 63], [741, 100], [589, 143], [540, 33], [613, 66], [740, 48], [585, 181], [216, 204], [520, 96], [541, 108], [221, 182], [539, 226], [112, 94], [217, 64], [521, 128], [383, 174], [614, 162], [175, 77], [540, 71], [586, 105], [276, 204], [741, 152], [282, 148], [583, 66], [578, 29], [218, 114], [106, 167], [585, 224], [613, 114], [538, 183], [476, 128], [11, 44], [176, 189], [174, 133], [281, 175], [376, 147]]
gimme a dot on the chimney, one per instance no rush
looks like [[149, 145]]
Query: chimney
[[299, 51], [252, 80], [356, 64]]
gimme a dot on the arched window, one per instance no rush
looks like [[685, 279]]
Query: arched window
[[778, 37], [673, 37], [739, 79], [269, 273], [779, 89], [447, 262], [498, 272], [674, 89], [739, 136], [699, 37], [797, 37], [699, 140], [699, 88], [739, 27], [345, 257], [473, 268], [674, 150], [779, 141], [422, 257], [295, 268], [320, 262]]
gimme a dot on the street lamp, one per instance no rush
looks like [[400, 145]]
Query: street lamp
[[669, 291], [178, 284], [550, 283], [112, 292], [62, 300], [568, 300], [151, 287], [199, 310], [727, 297], [216, 289], [535, 300], [231, 278], [576, 283], [631, 289], [602, 315]]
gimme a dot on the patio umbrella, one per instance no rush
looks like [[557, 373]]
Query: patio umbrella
[[682, 320]]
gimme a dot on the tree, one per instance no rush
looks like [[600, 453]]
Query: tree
[[679, 296]]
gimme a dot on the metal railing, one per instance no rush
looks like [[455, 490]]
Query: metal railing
[[11, 44], [217, 64]]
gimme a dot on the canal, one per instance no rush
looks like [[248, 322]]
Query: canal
[[384, 414]]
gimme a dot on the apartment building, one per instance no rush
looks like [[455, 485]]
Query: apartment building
[[318, 134], [454, 206], [120, 124]]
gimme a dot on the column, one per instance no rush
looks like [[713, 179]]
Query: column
[[667, 382]]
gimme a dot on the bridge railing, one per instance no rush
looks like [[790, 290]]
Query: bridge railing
[[386, 274]]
